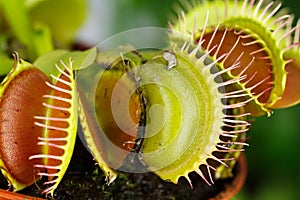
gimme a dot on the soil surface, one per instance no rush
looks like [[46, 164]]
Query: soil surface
[[85, 181]]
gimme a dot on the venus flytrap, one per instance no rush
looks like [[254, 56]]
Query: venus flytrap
[[266, 43], [257, 35], [39, 121], [37, 125], [56, 119], [19, 135], [174, 111], [112, 108], [258, 30], [175, 107], [192, 112]]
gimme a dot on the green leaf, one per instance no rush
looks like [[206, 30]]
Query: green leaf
[[37, 39], [6, 64], [17, 17], [80, 59], [46, 63], [42, 39], [63, 17]]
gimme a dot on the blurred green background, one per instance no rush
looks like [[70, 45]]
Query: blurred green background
[[273, 154]]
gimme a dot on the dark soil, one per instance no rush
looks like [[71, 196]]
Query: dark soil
[[85, 180]]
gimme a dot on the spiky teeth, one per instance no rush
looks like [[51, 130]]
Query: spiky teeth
[[261, 34], [60, 127], [186, 111], [231, 149]]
